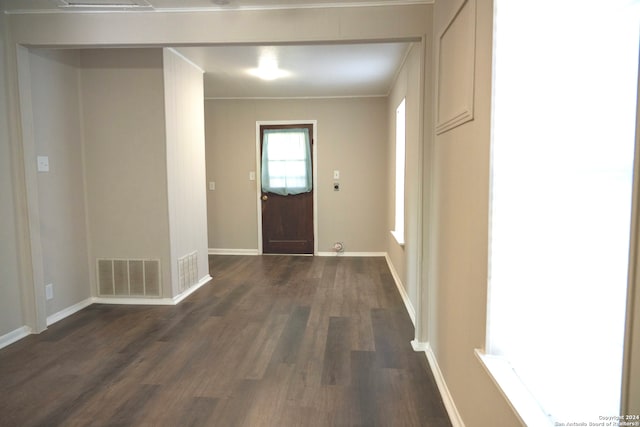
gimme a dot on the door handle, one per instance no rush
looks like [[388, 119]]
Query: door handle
[[264, 197]]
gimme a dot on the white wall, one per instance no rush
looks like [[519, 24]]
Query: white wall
[[407, 86], [631, 375], [10, 304], [58, 135], [108, 107], [351, 139], [125, 157], [458, 228], [184, 121]]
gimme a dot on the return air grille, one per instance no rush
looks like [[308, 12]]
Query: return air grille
[[129, 277], [187, 271]]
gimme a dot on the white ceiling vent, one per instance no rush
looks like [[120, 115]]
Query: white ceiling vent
[[105, 4]]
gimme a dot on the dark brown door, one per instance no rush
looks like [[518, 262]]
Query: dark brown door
[[287, 188]]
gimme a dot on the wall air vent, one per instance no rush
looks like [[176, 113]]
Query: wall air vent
[[128, 277], [187, 271], [105, 4]]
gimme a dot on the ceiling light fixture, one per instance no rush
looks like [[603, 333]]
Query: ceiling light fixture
[[268, 67]]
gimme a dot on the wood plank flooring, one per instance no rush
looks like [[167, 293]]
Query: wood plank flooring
[[270, 341]]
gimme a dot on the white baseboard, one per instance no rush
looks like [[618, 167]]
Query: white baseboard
[[154, 301], [219, 251], [353, 254], [419, 346], [56, 317], [447, 399], [192, 289], [15, 335], [133, 301], [401, 290]]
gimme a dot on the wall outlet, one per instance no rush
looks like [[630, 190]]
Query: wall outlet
[[212, 186], [48, 290]]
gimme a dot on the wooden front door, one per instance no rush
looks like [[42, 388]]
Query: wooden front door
[[287, 188]]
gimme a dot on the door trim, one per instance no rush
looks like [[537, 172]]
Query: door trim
[[32, 269], [314, 149]]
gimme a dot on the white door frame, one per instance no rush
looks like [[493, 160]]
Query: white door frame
[[314, 148], [32, 288]]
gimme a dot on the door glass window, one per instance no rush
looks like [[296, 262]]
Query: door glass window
[[286, 161]]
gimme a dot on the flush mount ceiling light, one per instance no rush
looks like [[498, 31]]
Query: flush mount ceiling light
[[268, 68]]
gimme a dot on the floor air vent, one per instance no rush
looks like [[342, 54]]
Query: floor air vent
[[129, 277], [188, 271]]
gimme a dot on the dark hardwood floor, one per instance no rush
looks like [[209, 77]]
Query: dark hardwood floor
[[270, 341]]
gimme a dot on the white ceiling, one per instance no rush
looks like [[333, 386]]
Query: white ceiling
[[336, 70]]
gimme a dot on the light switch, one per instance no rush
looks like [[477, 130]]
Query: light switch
[[336, 174], [212, 185], [43, 164], [252, 176]]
